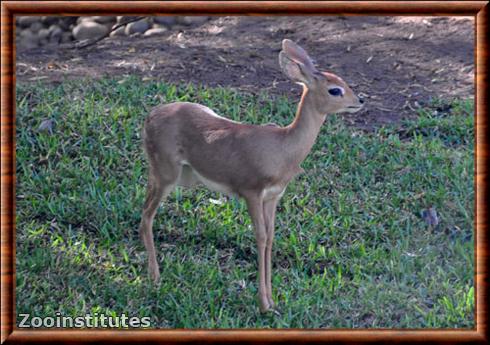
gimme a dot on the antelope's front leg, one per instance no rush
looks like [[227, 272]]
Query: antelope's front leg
[[269, 217], [255, 209]]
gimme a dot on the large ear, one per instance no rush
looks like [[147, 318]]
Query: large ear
[[296, 63], [297, 54]]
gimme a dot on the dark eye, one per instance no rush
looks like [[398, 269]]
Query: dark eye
[[335, 91]]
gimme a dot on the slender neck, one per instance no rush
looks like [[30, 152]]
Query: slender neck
[[303, 131]]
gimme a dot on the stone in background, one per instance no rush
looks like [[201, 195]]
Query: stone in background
[[37, 31]]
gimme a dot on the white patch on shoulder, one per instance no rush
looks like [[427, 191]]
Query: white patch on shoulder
[[213, 135], [217, 132]]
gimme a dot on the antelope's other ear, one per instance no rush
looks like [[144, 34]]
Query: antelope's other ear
[[296, 63]]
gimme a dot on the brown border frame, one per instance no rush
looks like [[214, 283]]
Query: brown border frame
[[478, 9]]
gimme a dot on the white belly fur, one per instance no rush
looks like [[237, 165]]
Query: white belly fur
[[191, 176], [214, 186]]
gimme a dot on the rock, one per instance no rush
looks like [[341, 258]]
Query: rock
[[123, 19], [66, 37], [26, 21], [89, 30], [83, 19], [137, 27], [192, 20], [28, 39], [168, 21], [54, 28], [36, 26], [199, 20], [46, 126], [155, 31], [49, 20], [65, 22], [184, 20], [159, 26], [43, 34], [118, 32], [179, 27], [105, 19], [55, 39], [430, 216], [28, 44], [55, 34]]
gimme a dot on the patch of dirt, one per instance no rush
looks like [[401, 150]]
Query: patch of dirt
[[399, 63]]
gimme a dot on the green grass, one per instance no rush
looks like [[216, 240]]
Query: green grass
[[351, 249]]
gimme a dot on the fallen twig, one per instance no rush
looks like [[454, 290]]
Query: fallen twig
[[385, 109]]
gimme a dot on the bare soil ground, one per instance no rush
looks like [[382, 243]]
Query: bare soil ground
[[398, 63]]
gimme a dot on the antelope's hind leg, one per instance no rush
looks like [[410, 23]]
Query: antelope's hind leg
[[161, 181]]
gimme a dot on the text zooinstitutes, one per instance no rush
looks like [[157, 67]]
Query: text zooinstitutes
[[88, 321]]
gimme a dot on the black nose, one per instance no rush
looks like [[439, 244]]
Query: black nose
[[361, 100]]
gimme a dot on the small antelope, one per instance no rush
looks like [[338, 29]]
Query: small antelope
[[188, 144]]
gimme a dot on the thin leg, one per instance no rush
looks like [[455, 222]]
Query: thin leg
[[157, 190], [255, 208], [269, 217]]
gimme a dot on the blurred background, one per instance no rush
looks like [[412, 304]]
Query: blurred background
[[398, 63]]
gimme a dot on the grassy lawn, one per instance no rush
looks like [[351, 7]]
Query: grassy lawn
[[351, 249]]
